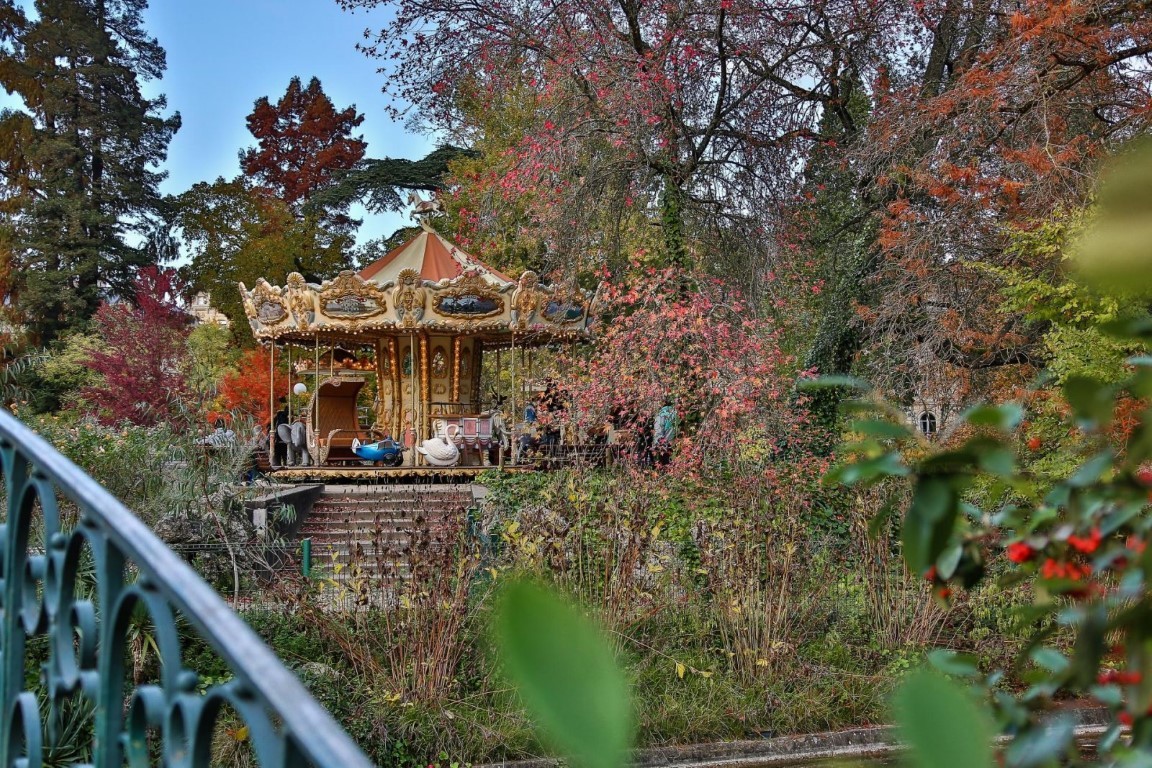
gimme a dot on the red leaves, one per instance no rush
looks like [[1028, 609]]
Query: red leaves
[[245, 390], [139, 361], [1119, 677], [703, 349], [302, 141]]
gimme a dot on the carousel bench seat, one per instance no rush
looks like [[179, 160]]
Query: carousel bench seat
[[333, 422]]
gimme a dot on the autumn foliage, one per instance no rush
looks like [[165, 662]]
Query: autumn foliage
[[705, 351], [245, 389], [141, 353], [302, 141]]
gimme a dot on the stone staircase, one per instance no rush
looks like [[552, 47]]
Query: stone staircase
[[382, 530]]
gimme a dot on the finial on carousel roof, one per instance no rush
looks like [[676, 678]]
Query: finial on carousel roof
[[422, 208]]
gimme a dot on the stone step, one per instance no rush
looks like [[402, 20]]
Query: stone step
[[366, 514], [371, 528], [349, 538], [394, 503], [405, 497], [370, 512]]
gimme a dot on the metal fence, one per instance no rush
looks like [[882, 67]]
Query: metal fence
[[80, 595]]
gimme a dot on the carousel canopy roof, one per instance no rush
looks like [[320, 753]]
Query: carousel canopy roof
[[433, 258]]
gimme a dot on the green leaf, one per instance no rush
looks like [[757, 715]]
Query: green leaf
[[867, 471], [1132, 328], [1004, 417], [1050, 658], [929, 522], [998, 460], [1139, 448], [1090, 646], [952, 663], [1091, 399], [1091, 470], [566, 675], [947, 561], [879, 521], [941, 725], [1108, 695]]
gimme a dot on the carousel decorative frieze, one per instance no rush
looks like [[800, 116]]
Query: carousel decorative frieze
[[526, 299]]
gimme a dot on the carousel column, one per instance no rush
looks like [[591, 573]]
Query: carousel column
[[383, 416], [397, 416], [412, 366], [454, 396], [272, 402], [425, 387]]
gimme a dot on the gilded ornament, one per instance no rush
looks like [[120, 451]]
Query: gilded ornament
[[409, 298]]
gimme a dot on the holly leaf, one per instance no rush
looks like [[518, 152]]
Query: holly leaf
[[1003, 417]]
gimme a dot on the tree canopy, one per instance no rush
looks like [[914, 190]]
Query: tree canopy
[[80, 160]]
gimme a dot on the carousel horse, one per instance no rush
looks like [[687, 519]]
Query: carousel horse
[[296, 437], [501, 436], [387, 451], [441, 451]]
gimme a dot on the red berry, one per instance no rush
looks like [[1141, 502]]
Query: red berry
[[1085, 545], [1019, 552], [1034, 444]]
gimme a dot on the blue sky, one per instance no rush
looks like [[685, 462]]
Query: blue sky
[[225, 54]]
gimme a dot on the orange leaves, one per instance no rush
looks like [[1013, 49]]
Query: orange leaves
[[246, 389]]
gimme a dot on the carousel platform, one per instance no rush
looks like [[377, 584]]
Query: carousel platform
[[364, 474]]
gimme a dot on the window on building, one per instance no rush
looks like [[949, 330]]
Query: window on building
[[928, 423]]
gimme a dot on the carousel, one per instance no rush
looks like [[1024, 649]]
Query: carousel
[[390, 358]]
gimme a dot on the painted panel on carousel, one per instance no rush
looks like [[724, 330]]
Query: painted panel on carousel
[[469, 305], [563, 311], [439, 362], [264, 305], [349, 297], [468, 297]]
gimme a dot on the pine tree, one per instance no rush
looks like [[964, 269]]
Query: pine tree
[[79, 161]]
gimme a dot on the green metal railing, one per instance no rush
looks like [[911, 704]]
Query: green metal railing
[[82, 589]]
